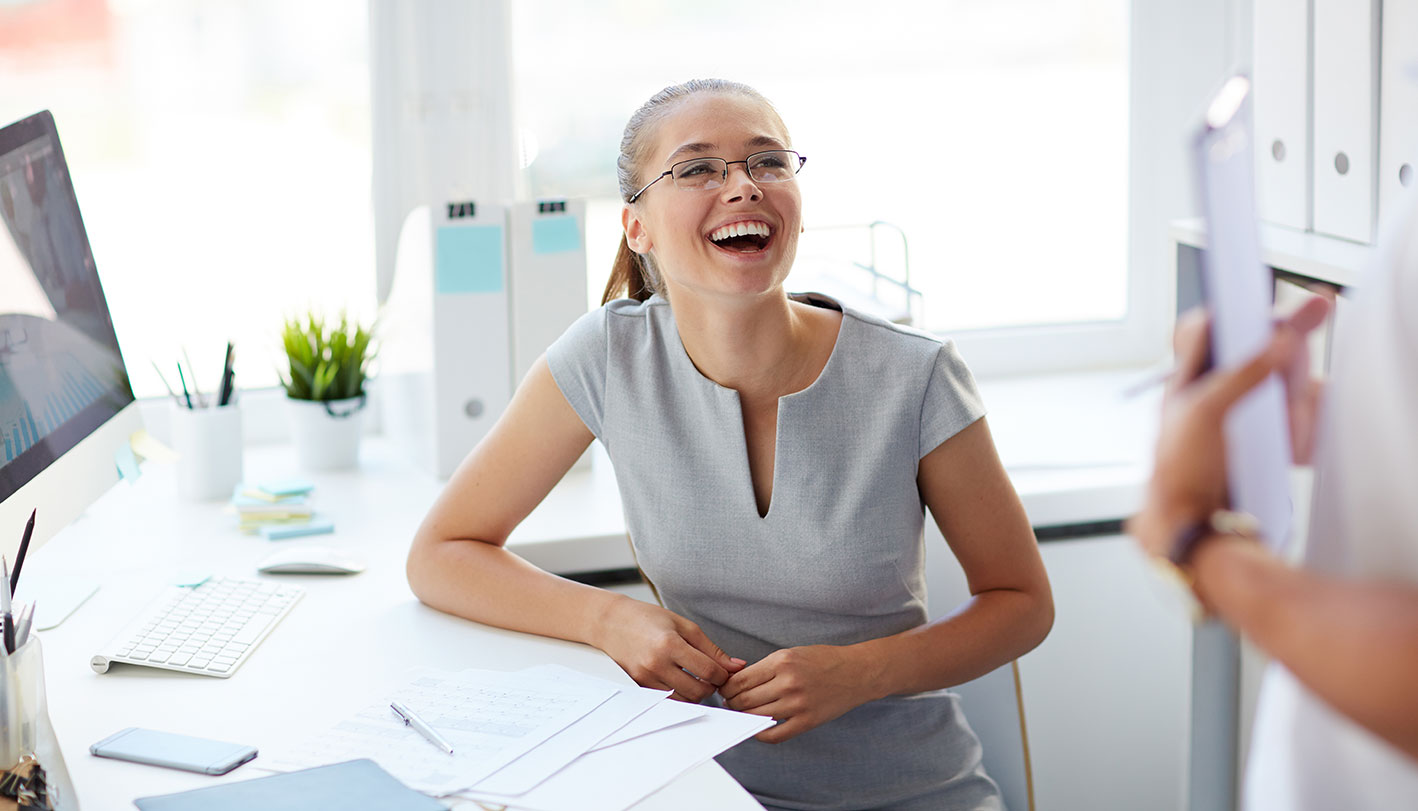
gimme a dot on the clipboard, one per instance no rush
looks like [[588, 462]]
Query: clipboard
[[1239, 291], [354, 785]]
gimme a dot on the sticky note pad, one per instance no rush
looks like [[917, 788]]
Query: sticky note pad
[[555, 234], [127, 463], [147, 446], [287, 487], [468, 259], [280, 532]]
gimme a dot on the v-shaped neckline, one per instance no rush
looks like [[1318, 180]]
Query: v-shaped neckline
[[741, 433]]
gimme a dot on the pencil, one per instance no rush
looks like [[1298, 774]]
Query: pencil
[[164, 382], [192, 373], [183, 381], [24, 547]]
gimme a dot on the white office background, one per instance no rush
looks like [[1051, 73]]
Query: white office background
[[221, 149]]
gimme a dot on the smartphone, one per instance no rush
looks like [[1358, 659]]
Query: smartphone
[[173, 751]]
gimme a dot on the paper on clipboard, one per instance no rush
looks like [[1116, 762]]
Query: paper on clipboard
[[1239, 293]]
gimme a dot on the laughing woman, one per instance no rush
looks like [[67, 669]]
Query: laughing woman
[[775, 454]]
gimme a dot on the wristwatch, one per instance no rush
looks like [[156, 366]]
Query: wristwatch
[[1220, 522], [1176, 566]]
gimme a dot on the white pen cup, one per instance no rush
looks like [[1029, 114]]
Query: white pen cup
[[209, 448]]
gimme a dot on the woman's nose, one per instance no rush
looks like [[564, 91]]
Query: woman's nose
[[739, 185]]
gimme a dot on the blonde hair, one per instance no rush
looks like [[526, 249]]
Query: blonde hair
[[634, 275]]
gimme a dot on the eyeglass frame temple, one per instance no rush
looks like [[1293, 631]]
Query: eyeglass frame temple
[[802, 161]]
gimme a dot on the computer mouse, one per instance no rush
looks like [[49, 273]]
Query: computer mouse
[[310, 560]]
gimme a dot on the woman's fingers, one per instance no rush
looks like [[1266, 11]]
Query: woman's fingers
[[1190, 342], [705, 659], [747, 679], [1220, 390], [1310, 315]]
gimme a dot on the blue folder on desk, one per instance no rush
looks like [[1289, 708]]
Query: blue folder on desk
[[355, 785]]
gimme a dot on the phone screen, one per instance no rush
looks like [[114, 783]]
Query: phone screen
[[174, 751]]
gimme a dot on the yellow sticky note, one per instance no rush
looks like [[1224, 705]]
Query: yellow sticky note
[[147, 446]]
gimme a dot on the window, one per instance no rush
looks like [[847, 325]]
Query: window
[[221, 155], [1012, 117]]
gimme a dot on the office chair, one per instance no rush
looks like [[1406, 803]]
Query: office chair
[[994, 705]]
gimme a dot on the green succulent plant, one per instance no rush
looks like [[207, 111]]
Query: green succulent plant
[[328, 361]]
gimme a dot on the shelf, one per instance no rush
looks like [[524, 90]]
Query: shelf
[[1314, 256]]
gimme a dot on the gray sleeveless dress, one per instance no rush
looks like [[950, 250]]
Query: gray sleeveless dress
[[838, 559]]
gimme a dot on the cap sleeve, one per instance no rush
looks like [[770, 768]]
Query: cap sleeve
[[952, 401], [578, 363]]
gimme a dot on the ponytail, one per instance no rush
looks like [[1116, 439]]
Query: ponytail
[[629, 278]]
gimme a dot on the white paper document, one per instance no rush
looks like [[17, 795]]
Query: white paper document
[[490, 718], [556, 752], [617, 777], [661, 716]]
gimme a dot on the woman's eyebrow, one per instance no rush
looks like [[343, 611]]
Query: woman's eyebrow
[[700, 147], [696, 147]]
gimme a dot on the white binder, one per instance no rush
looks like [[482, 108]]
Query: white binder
[[1280, 75], [547, 240], [1346, 112], [1398, 117], [446, 370]]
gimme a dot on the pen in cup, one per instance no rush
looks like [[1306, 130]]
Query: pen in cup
[[165, 385], [183, 381], [24, 548], [192, 373], [411, 719], [228, 381]]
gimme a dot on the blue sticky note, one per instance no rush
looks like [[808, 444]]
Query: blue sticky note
[[468, 259], [282, 531], [127, 463], [555, 235], [287, 487]]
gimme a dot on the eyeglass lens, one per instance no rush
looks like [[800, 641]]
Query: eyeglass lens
[[773, 166]]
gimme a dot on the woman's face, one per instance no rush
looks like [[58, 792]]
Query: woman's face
[[678, 226]]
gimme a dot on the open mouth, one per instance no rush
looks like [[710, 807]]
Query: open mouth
[[742, 237]]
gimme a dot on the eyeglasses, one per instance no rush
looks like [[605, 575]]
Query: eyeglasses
[[702, 174]]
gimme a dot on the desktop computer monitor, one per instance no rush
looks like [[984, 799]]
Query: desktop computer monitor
[[66, 405]]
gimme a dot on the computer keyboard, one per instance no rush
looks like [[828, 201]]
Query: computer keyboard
[[209, 629]]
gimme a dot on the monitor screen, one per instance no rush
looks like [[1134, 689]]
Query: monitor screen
[[61, 373]]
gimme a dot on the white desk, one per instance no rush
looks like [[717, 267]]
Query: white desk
[[328, 658]]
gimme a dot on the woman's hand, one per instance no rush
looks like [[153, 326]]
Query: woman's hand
[[1189, 473], [662, 650], [801, 688]]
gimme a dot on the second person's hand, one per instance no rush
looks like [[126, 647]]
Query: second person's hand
[[662, 650]]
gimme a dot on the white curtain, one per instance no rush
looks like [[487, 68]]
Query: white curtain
[[441, 106]]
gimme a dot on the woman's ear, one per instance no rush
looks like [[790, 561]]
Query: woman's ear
[[636, 236]]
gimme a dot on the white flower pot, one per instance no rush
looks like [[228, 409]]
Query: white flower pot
[[327, 433]]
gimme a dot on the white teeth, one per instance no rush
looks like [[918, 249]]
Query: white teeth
[[740, 229]]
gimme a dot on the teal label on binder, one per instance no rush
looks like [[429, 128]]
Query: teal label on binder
[[555, 235], [468, 259]]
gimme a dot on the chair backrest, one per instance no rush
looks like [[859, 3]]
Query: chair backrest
[[995, 708]]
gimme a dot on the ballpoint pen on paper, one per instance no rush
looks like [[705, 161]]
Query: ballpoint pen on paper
[[410, 719], [24, 547]]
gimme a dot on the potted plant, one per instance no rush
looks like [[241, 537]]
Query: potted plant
[[329, 367]]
